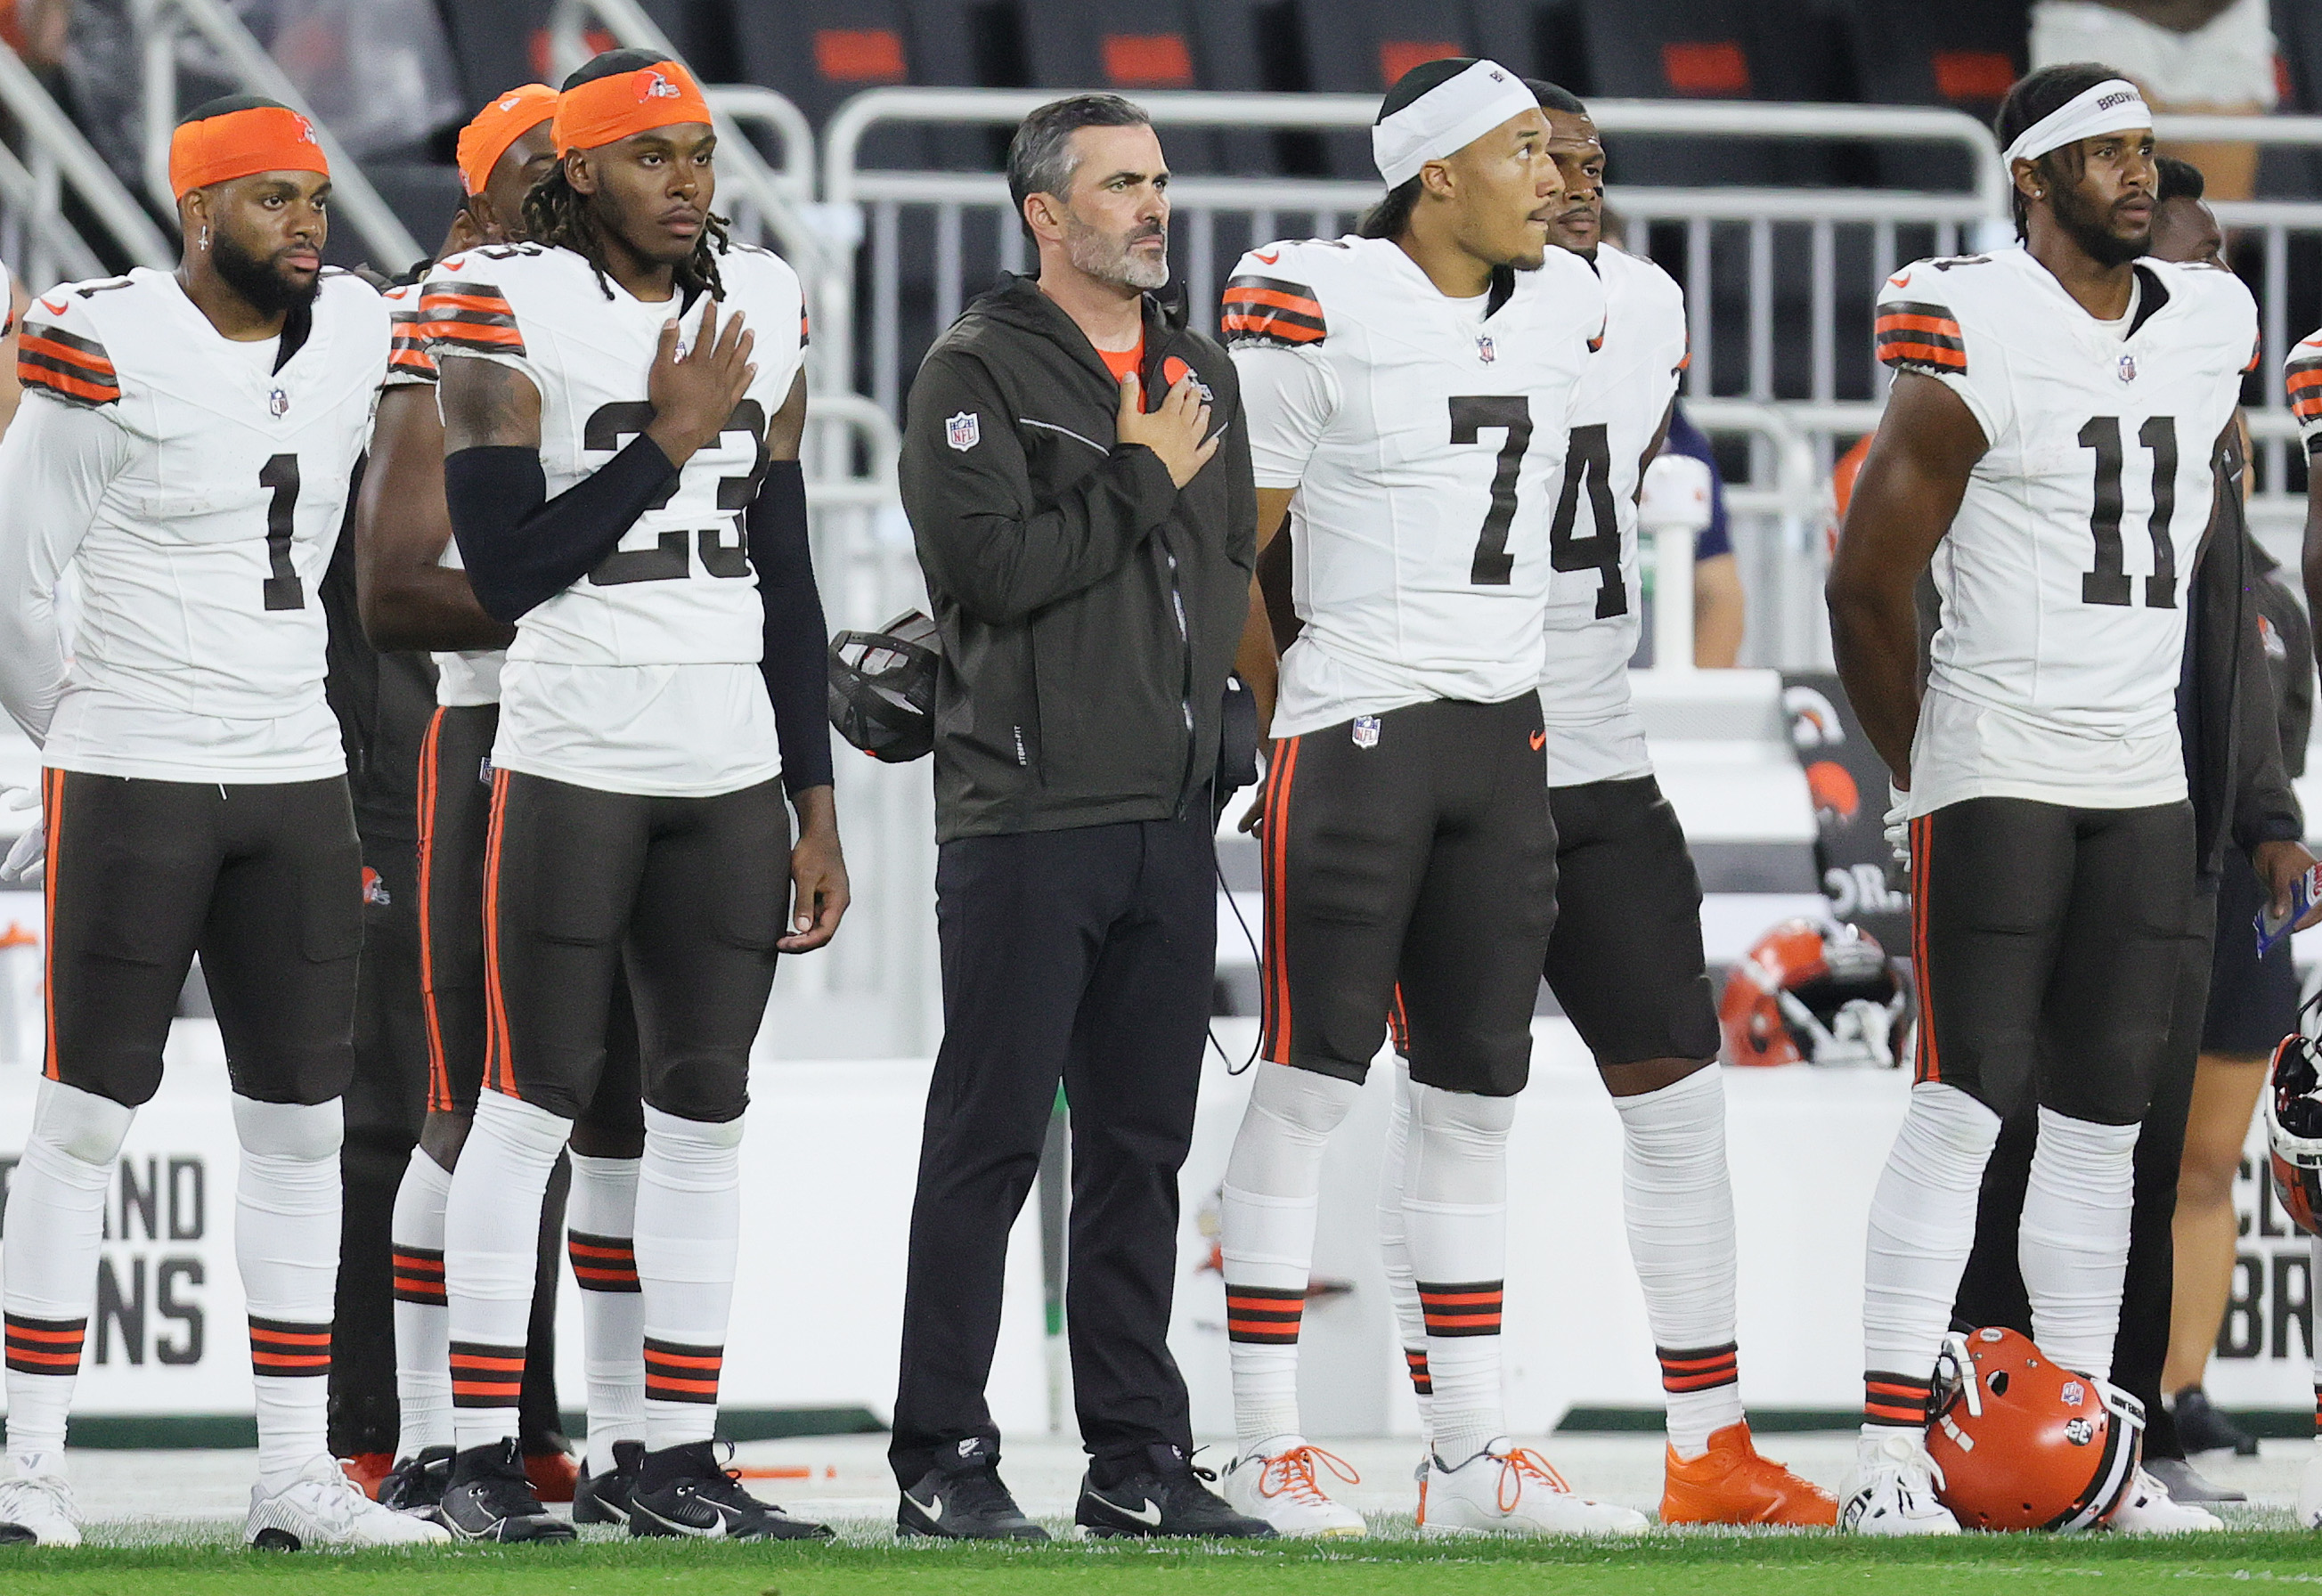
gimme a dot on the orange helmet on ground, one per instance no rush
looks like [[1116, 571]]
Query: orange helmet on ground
[[2022, 1443], [2293, 1127], [1812, 991]]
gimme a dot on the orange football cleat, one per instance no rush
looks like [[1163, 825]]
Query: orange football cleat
[[553, 1475], [367, 1469], [1729, 1483]]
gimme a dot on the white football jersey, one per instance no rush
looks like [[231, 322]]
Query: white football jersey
[[193, 486], [472, 676], [1592, 603], [2063, 579], [1424, 437], [642, 677]]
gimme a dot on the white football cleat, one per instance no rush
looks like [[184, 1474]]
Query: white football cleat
[[2150, 1510], [322, 1507], [2309, 1490], [1508, 1490], [1893, 1492], [37, 1510], [1277, 1483]]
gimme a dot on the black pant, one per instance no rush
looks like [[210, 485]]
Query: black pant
[[1088, 956], [1992, 1291]]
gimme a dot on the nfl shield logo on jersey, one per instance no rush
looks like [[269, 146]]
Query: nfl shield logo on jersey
[[964, 431], [1484, 350], [2128, 368], [277, 402], [1367, 731]]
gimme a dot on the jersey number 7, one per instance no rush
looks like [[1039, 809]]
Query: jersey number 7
[[2109, 582], [1471, 415]]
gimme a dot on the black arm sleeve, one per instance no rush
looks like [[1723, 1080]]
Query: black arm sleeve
[[523, 548], [795, 663]]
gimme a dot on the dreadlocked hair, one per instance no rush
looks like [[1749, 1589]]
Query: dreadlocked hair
[[557, 215]]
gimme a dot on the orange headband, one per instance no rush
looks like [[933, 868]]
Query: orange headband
[[261, 139], [607, 110], [496, 126]]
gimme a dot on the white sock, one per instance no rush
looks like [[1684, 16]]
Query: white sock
[[54, 1226], [285, 1239], [1679, 1205], [1265, 1223], [422, 1371], [601, 1221], [491, 1251], [1456, 1212], [1922, 1229], [1394, 1250], [2073, 1245], [689, 1241]]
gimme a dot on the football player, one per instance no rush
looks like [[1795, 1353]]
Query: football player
[[1626, 959], [414, 595], [184, 446], [2047, 447], [640, 515], [1413, 388]]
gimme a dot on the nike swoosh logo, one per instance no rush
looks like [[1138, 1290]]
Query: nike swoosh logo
[[1270, 260], [1538, 741], [55, 310], [715, 1532], [1149, 1514], [932, 1507], [453, 265]]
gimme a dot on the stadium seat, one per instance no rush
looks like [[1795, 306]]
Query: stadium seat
[[1123, 45], [1361, 47], [1962, 53], [820, 53]]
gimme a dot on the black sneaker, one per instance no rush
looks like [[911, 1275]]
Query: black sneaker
[[2201, 1427], [604, 1499], [681, 1490], [2183, 1483], [1163, 1496], [416, 1484], [964, 1500], [489, 1500]]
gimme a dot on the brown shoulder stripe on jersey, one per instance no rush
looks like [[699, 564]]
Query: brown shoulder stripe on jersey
[[65, 364], [803, 338], [1268, 310], [2305, 383], [408, 351], [471, 315], [1921, 335]]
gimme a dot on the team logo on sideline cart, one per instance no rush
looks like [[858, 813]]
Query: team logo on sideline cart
[[2128, 368], [964, 431], [1484, 350], [1367, 731]]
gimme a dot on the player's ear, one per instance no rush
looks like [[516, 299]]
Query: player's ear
[[1040, 216], [1437, 178], [194, 216], [579, 173]]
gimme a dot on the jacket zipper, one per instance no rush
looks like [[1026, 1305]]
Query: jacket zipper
[[1185, 684]]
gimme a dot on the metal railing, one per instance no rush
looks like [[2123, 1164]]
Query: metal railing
[[35, 235], [162, 24]]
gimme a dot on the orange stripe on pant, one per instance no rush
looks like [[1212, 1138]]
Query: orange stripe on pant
[[498, 1068], [439, 1071]]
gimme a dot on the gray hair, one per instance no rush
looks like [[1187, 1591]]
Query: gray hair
[[1040, 156]]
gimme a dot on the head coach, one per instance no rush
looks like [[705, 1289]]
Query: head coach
[[1088, 553]]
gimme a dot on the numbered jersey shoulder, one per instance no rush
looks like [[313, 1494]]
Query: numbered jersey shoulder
[[409, 360], [479, 301], [1276, 297], [65, 352], [1920, 325]]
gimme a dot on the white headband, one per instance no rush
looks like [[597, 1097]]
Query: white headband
[[2112, 106], [1446, 119]]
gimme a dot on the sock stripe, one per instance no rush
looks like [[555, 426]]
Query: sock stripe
[[1894, 1398], [283, 1347], [1414, 1359], [603, 1263], [1471, 1308], [486, 1376], [418, 1276], [44, 1346], [1700, 1369], [1265, 1316], [2318, 1407], [678, 1373]]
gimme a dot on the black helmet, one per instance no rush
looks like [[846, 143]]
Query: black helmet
[[882, 688]]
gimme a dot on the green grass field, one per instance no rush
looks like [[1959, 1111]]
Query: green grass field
[[1680, 1565]]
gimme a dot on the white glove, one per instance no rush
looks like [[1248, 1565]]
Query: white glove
[[29, 858], [1898, 824]]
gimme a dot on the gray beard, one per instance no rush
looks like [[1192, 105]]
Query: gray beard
[[1097, 255]]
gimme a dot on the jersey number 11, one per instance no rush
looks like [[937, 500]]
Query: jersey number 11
[[2109, 582]]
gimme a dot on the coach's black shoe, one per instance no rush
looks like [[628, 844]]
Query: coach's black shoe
[[604, 1499], [489, 1500], [965, 1501], [2200, 1427], [1161, 1492], [416, 1484], [681, 1490]]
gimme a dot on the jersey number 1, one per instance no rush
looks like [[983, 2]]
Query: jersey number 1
[[279, 476], [2109, 582]]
